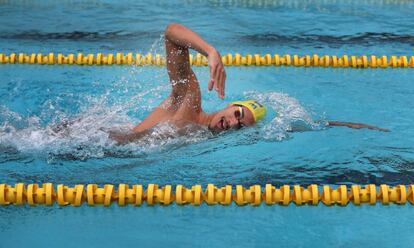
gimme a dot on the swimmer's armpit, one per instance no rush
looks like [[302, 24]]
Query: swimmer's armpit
[[356, 125]]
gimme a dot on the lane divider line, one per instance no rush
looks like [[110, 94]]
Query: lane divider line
[[124, 194], [315, 60]]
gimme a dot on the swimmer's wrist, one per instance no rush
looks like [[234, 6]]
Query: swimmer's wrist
[[210, 50]]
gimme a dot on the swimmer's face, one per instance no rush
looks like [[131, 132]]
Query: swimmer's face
[[232, 117]]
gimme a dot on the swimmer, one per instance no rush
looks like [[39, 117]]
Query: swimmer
[[183, 105]]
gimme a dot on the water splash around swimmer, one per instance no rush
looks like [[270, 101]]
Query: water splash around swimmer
[[85, 135]]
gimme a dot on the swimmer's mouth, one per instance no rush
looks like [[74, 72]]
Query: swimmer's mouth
[[221, 124]]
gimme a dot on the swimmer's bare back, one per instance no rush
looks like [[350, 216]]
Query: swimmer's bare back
[[123, 138]]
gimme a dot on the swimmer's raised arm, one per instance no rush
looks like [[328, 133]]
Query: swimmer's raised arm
[[178, 39]]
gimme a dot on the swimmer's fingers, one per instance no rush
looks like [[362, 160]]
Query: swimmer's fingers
[[221, 77], [222, 82], [216, 73], [379, 129], [212, 77], [384, 130]]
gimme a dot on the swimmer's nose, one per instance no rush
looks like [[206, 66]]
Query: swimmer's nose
[[233, 122]]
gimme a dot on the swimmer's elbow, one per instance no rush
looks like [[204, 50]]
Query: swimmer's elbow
[[171, 29]]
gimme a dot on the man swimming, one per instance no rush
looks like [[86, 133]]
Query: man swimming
[[183, 105]]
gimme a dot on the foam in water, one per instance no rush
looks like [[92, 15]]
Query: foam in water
[[288, 116]]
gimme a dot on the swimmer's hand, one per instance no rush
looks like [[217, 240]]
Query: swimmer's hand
[[356, 125], [217, 72]]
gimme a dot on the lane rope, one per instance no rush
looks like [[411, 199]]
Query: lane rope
[[315, 60], [92, 194]]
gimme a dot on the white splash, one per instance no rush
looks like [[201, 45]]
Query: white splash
[[288, 116]]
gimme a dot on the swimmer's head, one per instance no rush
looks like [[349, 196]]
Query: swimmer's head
[[237, 115]]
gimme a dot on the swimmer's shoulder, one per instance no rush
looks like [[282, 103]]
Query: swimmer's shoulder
[[179, 113], [158, 115]]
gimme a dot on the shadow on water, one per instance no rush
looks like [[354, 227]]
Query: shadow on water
[[80, 35], [374, 170], [365, 39], [335, 177]]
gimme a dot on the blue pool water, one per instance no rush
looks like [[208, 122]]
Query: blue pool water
[[34, 99]]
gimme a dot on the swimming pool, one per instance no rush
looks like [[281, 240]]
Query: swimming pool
[[35, 97]]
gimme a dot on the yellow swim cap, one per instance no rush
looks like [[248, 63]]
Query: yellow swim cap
[[257, 109]]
